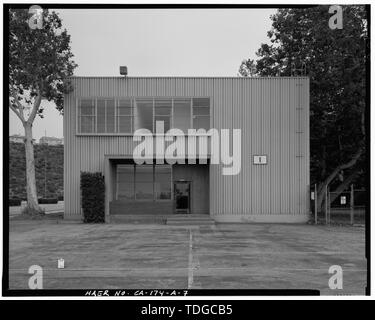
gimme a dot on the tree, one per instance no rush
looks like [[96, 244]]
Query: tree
[[40, 64], [335, 60]]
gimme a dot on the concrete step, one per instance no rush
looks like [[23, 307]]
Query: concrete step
[[173, 220], [190, 223], [138, 219], [189, 216], [190, 219]]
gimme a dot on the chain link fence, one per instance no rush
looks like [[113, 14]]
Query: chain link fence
[[346, 207]]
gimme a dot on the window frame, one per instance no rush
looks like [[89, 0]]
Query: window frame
[[79, 115], [117, 181], [200, 116], [132, 99], [106, 115], [171, 182], [154, 196], [170, 116], [131, 116]]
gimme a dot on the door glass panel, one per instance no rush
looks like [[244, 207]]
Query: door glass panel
[[182, 196]]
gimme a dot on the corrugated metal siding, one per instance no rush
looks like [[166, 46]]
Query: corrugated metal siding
[[266, 109]]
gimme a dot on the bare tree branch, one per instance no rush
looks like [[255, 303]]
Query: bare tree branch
[[344, 166], [345, 184], [36, 106], [349, 164], [17, 112]]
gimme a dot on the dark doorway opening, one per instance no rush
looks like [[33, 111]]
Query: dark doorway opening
[[182, 197]]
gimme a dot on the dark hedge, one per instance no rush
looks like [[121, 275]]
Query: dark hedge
[[92, 192], [47, 200], [14, 202], [49, 170]]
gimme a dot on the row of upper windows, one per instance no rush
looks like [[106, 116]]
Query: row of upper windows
[[106, 115]]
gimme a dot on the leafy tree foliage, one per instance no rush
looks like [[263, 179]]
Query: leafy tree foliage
[[335, 60], [40, 63]]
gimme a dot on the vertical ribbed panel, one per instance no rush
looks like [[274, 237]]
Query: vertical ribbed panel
[[273, 114]]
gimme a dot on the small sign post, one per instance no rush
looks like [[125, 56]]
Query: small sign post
[[342, 200]]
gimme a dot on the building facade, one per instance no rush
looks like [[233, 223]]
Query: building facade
[[51, 141], [17, 138], [272, 114]]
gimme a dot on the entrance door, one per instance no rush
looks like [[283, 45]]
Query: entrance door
[[182, 197]]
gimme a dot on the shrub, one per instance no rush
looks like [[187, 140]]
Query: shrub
[[47, 200], [92, 195], [14, 202], [60, 198]]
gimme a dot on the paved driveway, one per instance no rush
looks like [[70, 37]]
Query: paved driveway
[[252, 256]]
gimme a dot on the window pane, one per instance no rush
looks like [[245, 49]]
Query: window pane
[[125, 182], [181, 114], [125, 173], [110, 116], [125, 191], [201, 111], [201, 102], [87, 124], [166, 120], [101, 115], [163, 176], [125, 124], [143, 114], [201, 122], [144, 182], [163, 107], [87, 107], [124, 107]]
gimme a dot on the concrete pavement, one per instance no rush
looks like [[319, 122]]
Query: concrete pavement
[[251, 256]]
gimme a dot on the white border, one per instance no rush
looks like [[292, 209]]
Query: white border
[[243, 2]]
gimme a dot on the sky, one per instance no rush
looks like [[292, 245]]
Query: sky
[[156, 42]]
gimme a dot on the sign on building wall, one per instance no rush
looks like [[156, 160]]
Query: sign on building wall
[[260, 159]]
